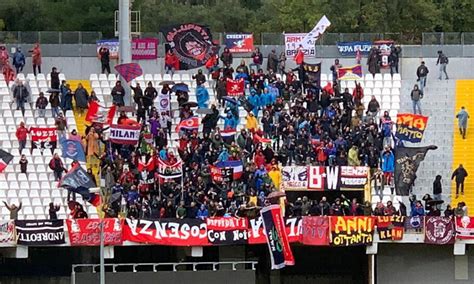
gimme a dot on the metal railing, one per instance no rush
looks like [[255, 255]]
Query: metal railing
[[80, 37], [156, 267]]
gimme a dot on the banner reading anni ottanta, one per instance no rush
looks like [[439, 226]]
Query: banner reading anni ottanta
[[351, 231]]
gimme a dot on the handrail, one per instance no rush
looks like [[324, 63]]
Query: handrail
[[217, 265]]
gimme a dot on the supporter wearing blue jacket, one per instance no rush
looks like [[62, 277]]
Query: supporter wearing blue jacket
[[230, 122], [388, 164], [265, 98], [254, 99], [417, 209], [202, 96], [202, 212]]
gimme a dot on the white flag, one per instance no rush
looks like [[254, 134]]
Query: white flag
[[311, 37]]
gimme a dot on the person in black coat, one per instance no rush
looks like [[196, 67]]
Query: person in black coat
[[460, 174], [437, 188], [209, 121]]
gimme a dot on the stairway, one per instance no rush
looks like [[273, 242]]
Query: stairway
[[463, 152], [80, 120], [438, 105]]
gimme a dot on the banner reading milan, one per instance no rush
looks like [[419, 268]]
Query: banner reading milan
[[227, 230], [352, 231], [293, 41], [411, 127], [407, 161], [43, 137], [320, 178], [167, 232], [239, 42], [40, 232], [315, 231], [235, 88], [144, 48], [350, 73], [86, 232], [439, 230], [192, 44], [124, 134], [277, 239], [390, 227], [465, 228], [7, 232]]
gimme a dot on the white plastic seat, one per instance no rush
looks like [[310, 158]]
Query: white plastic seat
[[395, 99], [95, 84], [102, 77], [369, 77], [378, 77], [62, 77], [157, 77], [33, 178], [386, 92], [369, 84], [396, 77], [20, 76], [386, 106], [27, 210], [396, 84], [186, 77], [378, 84], [367, 92], [387, 77], [112, 77], [39, 210], [387, 84], [22, 193], [36, 202], [12, 193], [148, 77], [166, 77], [395, 106], [43, 177], [104, 84], [395, 92], [42, 84], [34, 193], [30, 77], [22, 178], [324, 77], [351, 84], [93, 77], [376, 91], [25, 201], [106, 91], [45, 185], [40, 169]]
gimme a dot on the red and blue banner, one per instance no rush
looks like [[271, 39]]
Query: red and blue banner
[[239, 43], [234, 167], [277, 239], [350, 73], [411, 127]]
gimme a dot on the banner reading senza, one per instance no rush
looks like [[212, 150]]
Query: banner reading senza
[[351, 231], [86, 232], [410, 127], [239, 42], [40, 232]]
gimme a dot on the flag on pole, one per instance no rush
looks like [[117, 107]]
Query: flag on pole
[[311, 37], [129, 71], [5, 159], [100, 114], [190, 124], [73, 149], [78, 180]]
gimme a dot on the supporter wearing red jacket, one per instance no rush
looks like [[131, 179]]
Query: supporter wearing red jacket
[[22, 135], [171, 62], [299, 57]]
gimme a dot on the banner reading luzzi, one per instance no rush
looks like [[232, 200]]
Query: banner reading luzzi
[[43, 137], [40, 232], [390, 227], [410, 127], [239, 42], [351, 231]]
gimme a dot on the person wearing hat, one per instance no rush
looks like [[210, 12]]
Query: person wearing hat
[[18, 60]]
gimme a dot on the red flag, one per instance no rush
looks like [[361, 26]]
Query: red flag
[[5, 159], [129, 71], [100, 114], [260, 139], [190, 123], [216, 174], [235, 87], [149, 165]]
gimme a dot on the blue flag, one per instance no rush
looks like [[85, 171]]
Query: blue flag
[[72, 149]]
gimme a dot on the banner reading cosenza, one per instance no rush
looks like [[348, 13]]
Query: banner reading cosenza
[[239, 42]]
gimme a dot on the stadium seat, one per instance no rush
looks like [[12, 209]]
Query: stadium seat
[[148, 77], [396, 84], [93, 77], [102, 77], [20, 77], [385, 92], [42, 84], [395, 92], [104, 84], [378, 84], [397, 77], [369, 84], [112, 78], [166, 77], [369, 77], [376, 91], [367, 92], [62, 77], [176, 77], [157, 77], [378, 77], [36, 202], [34, 193], [387, 84], [95, 84], [387, 77]]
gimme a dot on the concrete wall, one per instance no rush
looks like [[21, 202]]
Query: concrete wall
[[78, 61], [418, 263]]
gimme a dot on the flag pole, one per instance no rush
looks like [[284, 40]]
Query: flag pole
[[182, 182]]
